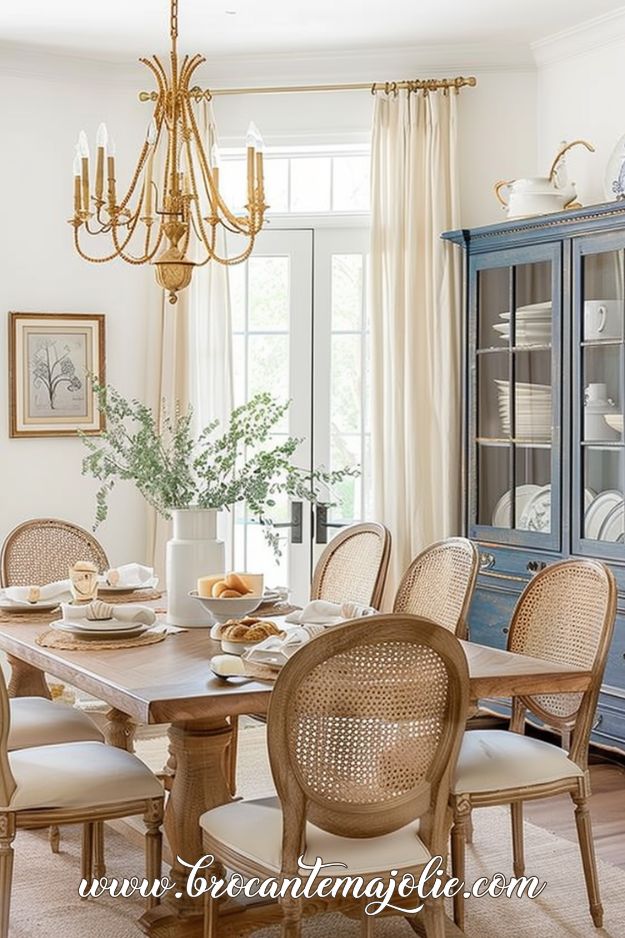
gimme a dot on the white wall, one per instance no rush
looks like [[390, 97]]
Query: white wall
[[47, 100], [42, 273], [580, 95], [497, 139]]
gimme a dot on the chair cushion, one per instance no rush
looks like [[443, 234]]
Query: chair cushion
[[492, 760], [253, 829], [36, 721], [77, 775]]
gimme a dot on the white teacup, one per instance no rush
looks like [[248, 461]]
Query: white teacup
[[603, 319]]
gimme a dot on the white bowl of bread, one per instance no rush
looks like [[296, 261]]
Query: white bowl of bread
[[239, 635], [230, 595]]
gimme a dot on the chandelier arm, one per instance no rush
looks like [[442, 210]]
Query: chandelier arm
[[239, 225], [87, 257]]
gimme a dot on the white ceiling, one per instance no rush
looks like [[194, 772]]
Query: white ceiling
[[124, 29]]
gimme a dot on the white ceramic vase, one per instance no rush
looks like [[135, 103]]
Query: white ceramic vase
[[192, 552]]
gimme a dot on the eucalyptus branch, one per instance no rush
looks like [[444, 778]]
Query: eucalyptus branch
[[173, 469]]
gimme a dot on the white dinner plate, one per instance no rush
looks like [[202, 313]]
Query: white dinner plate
[[536, 515], [44, 605], [598, 511], [150, 584], [613, 528], [74, 628], [501, 514], [615, 422]]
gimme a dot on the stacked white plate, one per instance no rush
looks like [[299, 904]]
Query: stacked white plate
[[533, 508], [533, 324], [604, 519], [99, 628], [533, 410]]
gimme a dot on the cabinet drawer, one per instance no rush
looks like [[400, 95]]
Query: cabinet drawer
[[500, 563], [610, 722], [490, 614], [615, 666]]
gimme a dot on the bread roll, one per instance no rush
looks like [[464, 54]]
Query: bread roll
[[205, 585], [235, 582], [218, 588], [230, 594]]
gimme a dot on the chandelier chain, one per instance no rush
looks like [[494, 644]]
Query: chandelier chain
[[173, 20]]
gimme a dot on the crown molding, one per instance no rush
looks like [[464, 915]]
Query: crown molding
[[591, 34], [366, 64]]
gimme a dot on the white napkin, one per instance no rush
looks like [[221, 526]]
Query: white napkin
[[321, 612], [97, 611], [33, 594], [130, 575], [277, 649]]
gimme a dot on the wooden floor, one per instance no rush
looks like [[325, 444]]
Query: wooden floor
[[607, 808]]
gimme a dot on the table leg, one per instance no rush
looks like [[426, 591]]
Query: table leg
[[120, 730], [26, 680], [200, 750]]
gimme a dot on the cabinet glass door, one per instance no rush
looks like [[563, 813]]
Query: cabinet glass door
[[515, 389], [599, 378]]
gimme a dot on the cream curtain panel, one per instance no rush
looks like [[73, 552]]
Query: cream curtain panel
[[191, 359], [415, 323]]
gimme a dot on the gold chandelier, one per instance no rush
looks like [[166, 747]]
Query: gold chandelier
[[162, 210]]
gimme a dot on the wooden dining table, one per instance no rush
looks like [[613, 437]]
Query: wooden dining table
[[171, 682]]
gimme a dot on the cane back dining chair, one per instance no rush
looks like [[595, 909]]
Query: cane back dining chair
[[566, 614], [354, 565], [36, 552], [439, 584], [364, 728], [41, 550], [74, 783]]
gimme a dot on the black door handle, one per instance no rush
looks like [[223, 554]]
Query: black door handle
[[296, 524], [322, 525]]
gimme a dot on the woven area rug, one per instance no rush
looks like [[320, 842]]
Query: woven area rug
[[46, 902]]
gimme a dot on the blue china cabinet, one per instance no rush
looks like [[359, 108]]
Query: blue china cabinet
[[544, 399]]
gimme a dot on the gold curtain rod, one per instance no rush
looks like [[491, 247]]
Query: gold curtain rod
[[388, 87]]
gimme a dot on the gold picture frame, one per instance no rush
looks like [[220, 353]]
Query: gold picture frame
[[51, 359]]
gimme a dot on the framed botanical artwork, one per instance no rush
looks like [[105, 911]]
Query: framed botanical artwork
[[52, 357]]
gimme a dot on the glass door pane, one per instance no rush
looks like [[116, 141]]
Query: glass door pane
[[341, 381], [271, 297], [516, 410], [599, 505]]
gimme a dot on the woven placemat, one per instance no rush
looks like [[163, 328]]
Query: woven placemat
[[28, 615], [65, 642], [131, 596]]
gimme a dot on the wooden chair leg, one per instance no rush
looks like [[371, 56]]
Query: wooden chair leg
[[291, 917], [99, 865], [153, 820], [366, 924], [434, 918], [589, 861], [462, 811], [86, 867], [518, 847], [7, 836], [54, 838], [231, 772], [469, 829], [211, 915]]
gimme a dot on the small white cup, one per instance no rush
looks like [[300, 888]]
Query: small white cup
[[603, 319]]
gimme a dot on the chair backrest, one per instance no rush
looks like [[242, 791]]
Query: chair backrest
[[364, 727], [566, 614], [439, 584], [41, 550], [354, 565]]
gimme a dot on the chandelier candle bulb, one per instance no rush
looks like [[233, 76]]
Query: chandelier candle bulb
[[112, 196], [76, 168], [101, 140]]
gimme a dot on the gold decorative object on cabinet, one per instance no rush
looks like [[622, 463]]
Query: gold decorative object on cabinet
[[174, 192]]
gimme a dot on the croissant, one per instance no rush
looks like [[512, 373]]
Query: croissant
[[248, 630]]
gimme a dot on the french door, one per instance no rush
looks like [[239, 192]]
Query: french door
[[300, 331]]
